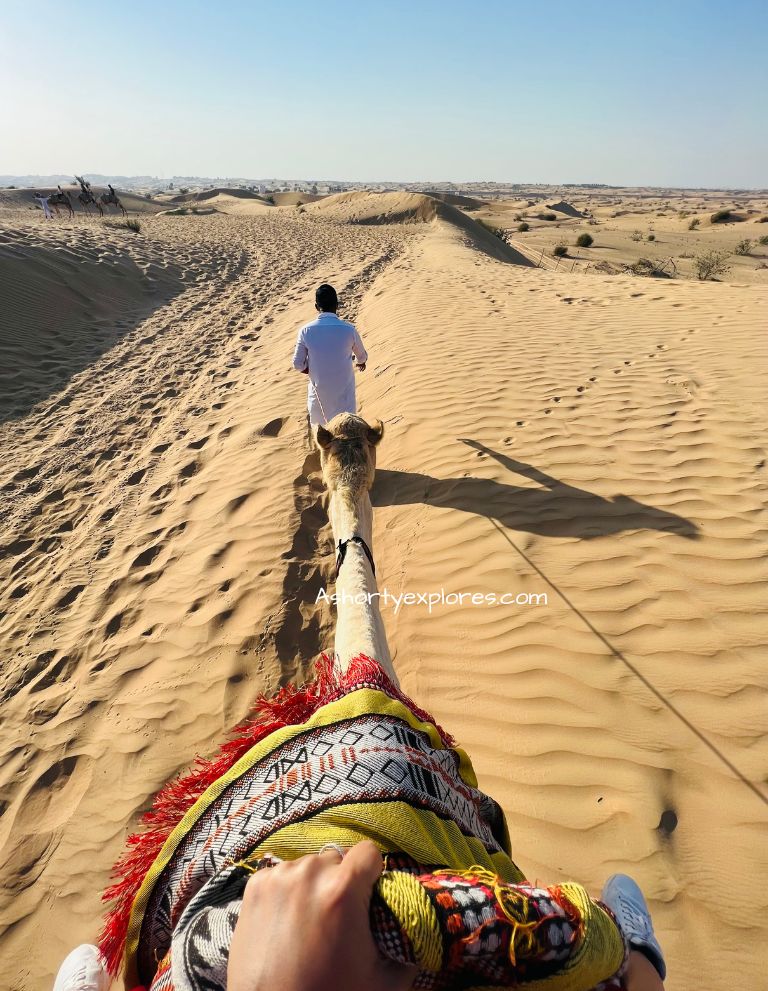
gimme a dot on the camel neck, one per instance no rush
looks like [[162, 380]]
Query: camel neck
[[359, 626]]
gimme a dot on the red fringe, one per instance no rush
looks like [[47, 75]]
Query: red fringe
[[290, 706]]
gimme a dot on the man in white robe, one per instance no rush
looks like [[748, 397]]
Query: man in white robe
[[325, 350]]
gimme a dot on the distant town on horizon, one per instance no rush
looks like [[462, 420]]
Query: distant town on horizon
[[490, 189]]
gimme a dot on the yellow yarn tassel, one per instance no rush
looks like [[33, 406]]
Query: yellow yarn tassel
[[509, 902]]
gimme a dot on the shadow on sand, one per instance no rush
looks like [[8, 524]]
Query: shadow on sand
[[552, 509]]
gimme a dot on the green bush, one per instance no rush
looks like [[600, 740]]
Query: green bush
[[763, 239], [585, 241], [133, 225], [523, 227], [721, 216], [709, 264], [651, 237], [547, 216], [744, 247], [694, 224], [560, 250]]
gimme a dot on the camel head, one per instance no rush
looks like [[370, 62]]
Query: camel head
[[348, 452]]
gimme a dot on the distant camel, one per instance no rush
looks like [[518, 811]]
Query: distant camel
[[110, 199], [61, 199], [86, 197]]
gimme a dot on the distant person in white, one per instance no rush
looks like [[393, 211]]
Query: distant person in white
[[43, 201], [325, 350]]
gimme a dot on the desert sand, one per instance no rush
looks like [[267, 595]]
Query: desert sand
[[592, 436]]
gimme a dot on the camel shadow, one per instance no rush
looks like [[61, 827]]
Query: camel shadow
[[552, 509]]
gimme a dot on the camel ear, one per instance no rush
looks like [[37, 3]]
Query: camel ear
[[375, 434], [323, 437]]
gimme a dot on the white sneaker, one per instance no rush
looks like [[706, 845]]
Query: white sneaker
[[83, 970], [624, 898]]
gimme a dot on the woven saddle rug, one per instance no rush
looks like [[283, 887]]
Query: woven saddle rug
[[341, 760]]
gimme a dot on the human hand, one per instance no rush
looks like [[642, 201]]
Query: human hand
[[304, 926]]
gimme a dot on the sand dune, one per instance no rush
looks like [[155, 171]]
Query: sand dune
[[565, 208], [412, 208], [598, 439], [454, 199], [208, 194]]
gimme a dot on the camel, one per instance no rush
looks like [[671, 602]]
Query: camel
[[86, 197], [348, 463], [110, 199], [61, 199]]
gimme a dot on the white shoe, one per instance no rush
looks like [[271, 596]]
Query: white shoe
[[83, 970], [624, 898]]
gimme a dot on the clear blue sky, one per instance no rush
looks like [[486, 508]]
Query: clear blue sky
[[658, 92]]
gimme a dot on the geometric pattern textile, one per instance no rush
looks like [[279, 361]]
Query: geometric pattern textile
[[341, 760]]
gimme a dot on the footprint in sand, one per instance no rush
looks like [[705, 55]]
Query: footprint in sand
[[273, 428], [147, 557]]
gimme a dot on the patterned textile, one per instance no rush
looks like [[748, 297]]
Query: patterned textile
[[360, 761], [477, 934], [366, 759]]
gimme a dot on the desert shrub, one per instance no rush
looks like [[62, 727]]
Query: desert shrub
[[547, 216], [637, 235], [269, 199], [560, 250], [300, 208], [760, 220], [605, 268], [763, 239], [498, 232], [694, 224], [523, 227], [133, 225], [651, 237], [682, 214], [720, 216], [585, 241], [184, 189], [744, 247], [10, 187], [299, 203], [648, 267], [709, 264]]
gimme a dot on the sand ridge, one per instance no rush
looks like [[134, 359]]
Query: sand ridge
[[596, 438]]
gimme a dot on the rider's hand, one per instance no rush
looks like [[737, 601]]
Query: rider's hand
[[304, 926]]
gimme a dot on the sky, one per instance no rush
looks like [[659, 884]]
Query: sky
[[662, 93]]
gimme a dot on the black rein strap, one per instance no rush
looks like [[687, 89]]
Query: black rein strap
[[341, 552]]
